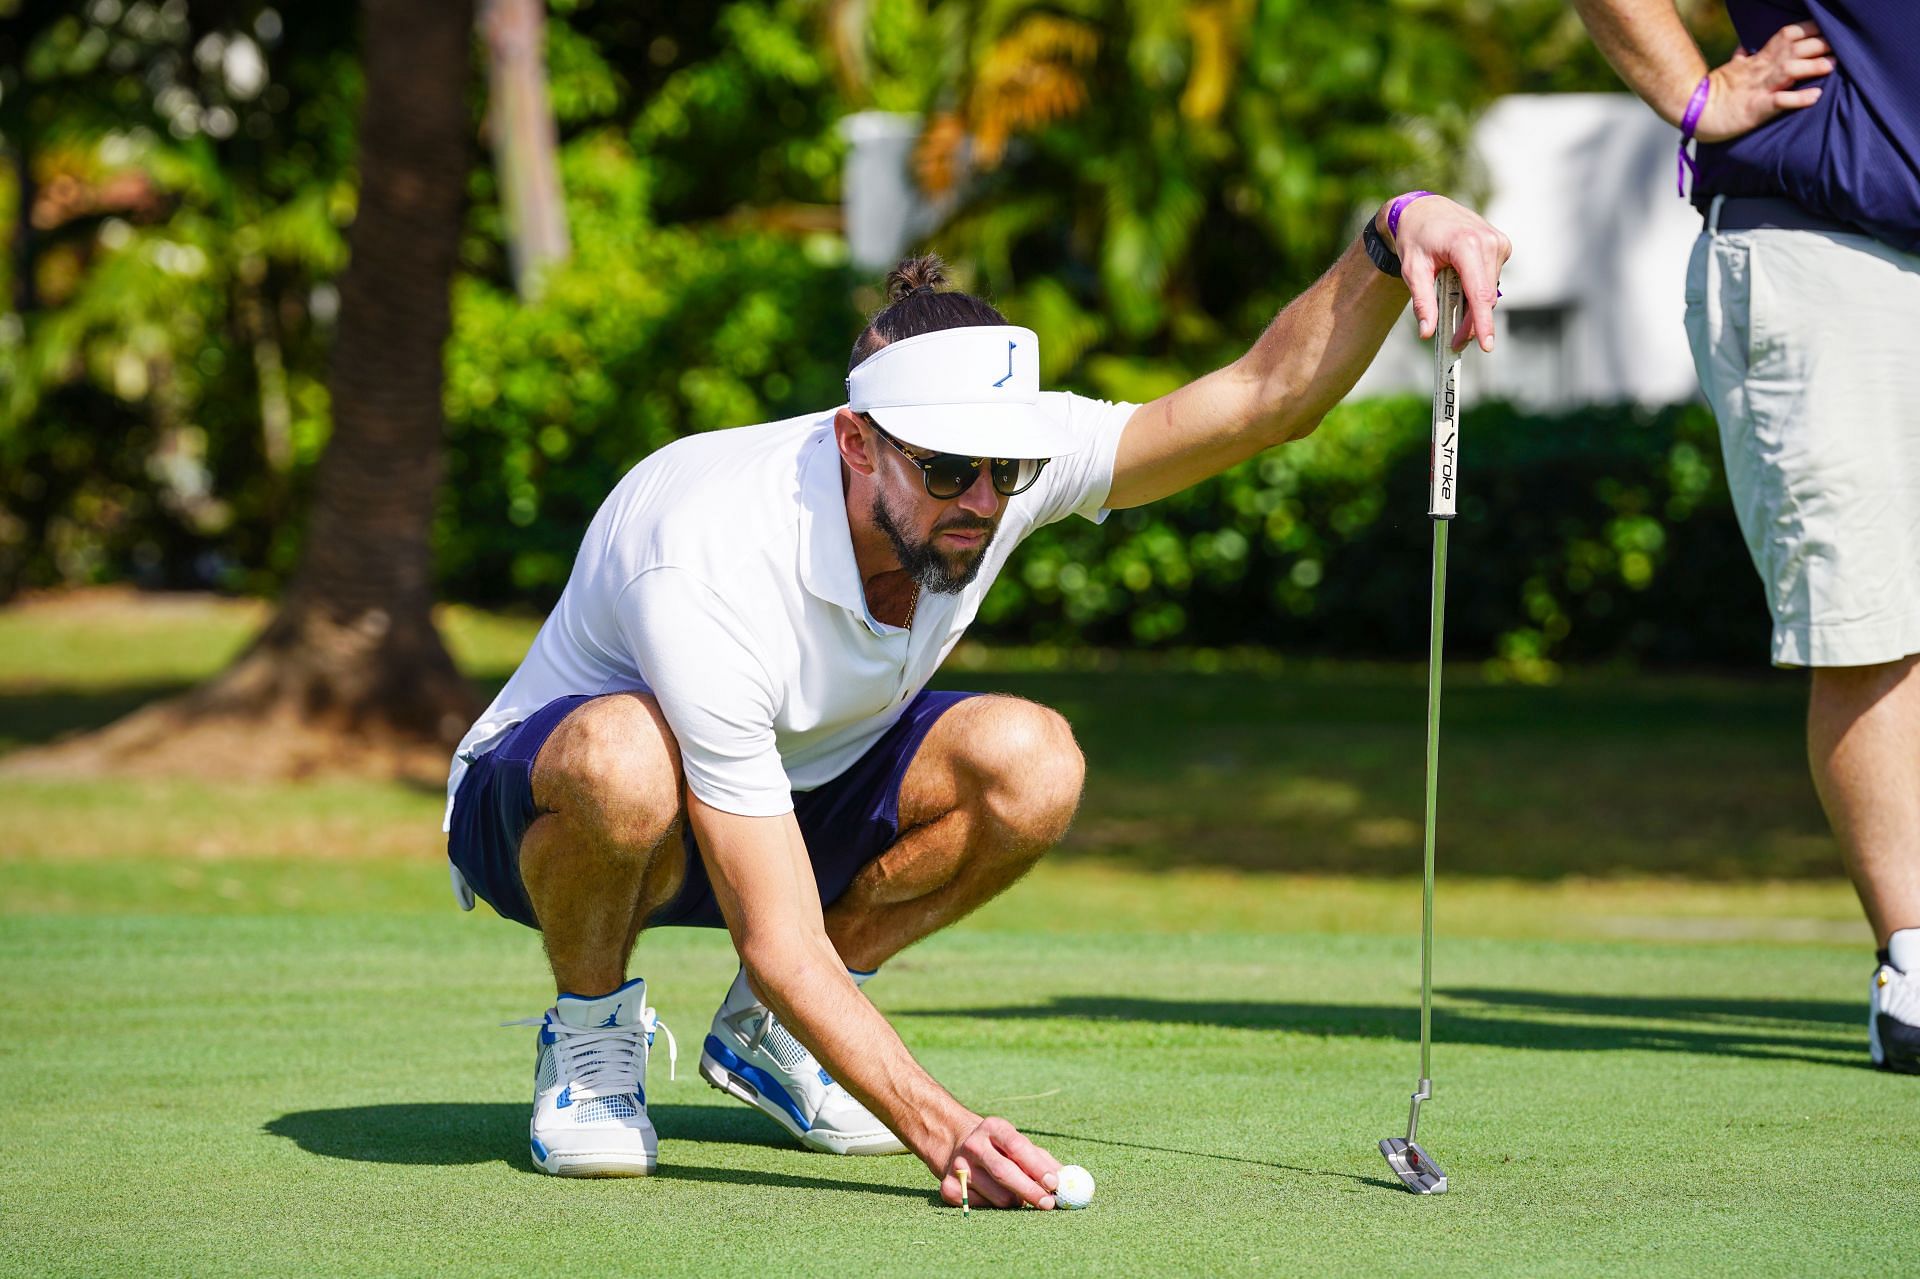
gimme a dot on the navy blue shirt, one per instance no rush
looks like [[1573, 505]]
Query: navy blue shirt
[[1854, 155]]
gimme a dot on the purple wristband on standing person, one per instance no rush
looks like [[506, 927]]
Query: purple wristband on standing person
[[1394, 210], [1696, 106]]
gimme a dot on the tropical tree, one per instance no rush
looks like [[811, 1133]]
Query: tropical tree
[[181, 187], [351, 665], [1146, 182], [1142, 182]]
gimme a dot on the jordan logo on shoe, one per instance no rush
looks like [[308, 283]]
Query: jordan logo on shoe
[[613, 1018]]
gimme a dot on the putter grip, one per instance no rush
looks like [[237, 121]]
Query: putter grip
[[1443, 466]]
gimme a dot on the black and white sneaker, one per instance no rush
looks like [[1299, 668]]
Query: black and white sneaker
[[1893, 1022]]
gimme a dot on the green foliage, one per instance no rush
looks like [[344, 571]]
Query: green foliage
[[1220, 164], [163, 395], [647, 334], [750, 125], [1188, 168], [1224, 155], [691, 302], [1591, 534]]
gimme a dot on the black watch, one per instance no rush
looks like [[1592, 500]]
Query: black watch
[[1376, 246]]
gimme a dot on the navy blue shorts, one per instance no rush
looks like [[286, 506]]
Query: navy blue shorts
[[846, 823]]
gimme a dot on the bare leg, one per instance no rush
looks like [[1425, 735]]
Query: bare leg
[[994, 785], [1863, 739], [604, 854]]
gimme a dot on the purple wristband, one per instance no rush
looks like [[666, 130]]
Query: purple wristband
[[1394, 210], [1689, 121]]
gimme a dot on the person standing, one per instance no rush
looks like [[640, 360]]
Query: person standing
[[1802, 300]]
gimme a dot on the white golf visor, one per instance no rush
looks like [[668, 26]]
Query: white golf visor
[[974, 391]]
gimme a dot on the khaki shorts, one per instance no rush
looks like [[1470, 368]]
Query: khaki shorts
[[1808, 349]]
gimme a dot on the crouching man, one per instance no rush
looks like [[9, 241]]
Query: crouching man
[[725, 721]]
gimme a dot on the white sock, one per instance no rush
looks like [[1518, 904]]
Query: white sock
[[1903, 949]]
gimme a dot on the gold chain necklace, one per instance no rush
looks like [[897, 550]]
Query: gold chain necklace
[[913, 606]]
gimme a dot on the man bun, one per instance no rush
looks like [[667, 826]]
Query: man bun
[[924, 272], [918, 302]]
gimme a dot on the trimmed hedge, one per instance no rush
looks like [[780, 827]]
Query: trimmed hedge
[[1602, 533]]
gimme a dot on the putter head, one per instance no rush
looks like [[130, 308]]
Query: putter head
[[1422, 1175]]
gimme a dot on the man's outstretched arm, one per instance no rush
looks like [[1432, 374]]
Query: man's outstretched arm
[[764, 885], [1311, 355]]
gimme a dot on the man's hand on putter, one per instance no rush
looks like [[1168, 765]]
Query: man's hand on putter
[[1435, 232], [1005, 1169]]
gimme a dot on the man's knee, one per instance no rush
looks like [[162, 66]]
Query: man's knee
[[1029, 768], [613, 768]]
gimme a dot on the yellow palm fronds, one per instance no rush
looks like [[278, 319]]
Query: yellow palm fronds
[[1029, 78], [937, 158], [1214, 27]]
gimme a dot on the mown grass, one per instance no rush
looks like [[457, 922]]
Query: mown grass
[[275, 1093], [245, 1032], [1264, 765]]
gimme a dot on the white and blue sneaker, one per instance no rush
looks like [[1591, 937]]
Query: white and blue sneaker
[[750, 1055], [1893, 1017], [590, 1085]]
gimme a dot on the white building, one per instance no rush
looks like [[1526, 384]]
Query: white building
[[884, 211], [1594, 305]]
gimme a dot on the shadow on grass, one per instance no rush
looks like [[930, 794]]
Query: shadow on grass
[[1381, 1182], [435, 1133], [33, 716], [445, 1134], [1820, 1032]]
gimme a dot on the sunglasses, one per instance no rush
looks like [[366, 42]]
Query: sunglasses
[[948, 475]]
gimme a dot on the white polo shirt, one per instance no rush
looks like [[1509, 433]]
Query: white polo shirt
[[719, 575]]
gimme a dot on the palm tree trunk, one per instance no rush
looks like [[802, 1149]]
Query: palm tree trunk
[[356, 623], [351, 672]]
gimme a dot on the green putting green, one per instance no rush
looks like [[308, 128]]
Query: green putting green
[[296, 1090], [243, 1030]]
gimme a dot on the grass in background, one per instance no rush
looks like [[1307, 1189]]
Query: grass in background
[[1288, 766]]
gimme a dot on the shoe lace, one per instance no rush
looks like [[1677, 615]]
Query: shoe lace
[[604, 1062], [779, 1043]]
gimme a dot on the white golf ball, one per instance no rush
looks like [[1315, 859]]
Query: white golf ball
[[1075, 1189]]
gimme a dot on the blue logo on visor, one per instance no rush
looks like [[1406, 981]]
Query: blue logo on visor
[[1003, 381]]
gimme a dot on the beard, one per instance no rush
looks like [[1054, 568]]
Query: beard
[[940, 572]]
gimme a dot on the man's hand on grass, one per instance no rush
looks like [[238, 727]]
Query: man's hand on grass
[[1005, 1170]]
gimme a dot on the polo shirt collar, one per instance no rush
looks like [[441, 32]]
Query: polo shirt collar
[[827, 566]]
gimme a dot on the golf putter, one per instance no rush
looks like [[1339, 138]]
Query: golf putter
[[1404, 1155]]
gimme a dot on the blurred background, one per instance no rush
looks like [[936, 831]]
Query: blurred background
[[329, 326]]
